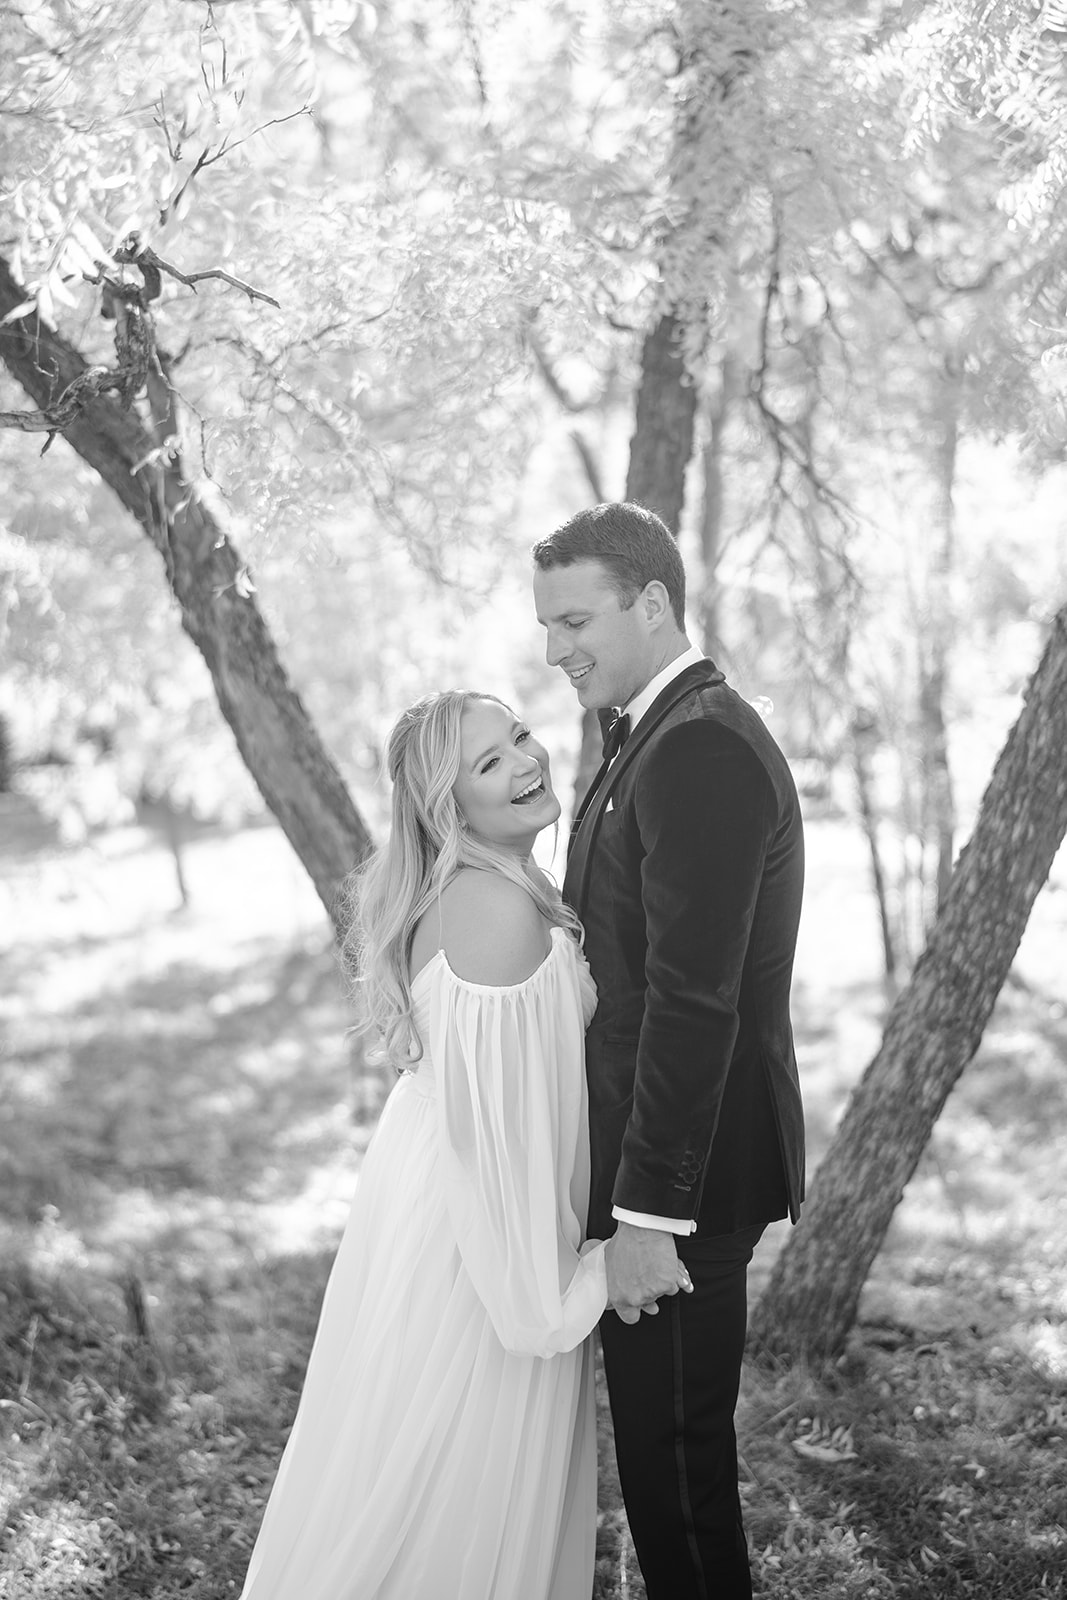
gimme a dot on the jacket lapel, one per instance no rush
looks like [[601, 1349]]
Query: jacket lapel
[[590, 795], [701, 675]]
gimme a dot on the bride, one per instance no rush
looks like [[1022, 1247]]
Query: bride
[[444, 1447]]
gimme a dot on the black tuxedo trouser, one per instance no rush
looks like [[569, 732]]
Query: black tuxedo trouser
[[672, 1382]]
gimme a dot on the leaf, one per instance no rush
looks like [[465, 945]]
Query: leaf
[[21, 310], [89, 242], [77, 259], [825, 1444]]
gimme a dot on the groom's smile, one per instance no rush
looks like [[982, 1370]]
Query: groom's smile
[[603, 643]]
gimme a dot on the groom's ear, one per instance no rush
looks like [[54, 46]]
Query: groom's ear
[[657, 604]]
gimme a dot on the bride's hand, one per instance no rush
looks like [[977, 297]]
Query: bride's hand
[[643, 1266]]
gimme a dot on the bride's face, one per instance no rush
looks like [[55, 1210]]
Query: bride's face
[[504, 789]]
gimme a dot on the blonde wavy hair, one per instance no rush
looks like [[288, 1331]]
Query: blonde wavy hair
[[427, 846]]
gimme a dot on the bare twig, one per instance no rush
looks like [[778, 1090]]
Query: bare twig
[[770, 299], [589, 465], [571, 405], [140, 255], [474, 47], [788, 446], [790, 449], [191, 279], [550, 375], [174, 150], [207, 157]]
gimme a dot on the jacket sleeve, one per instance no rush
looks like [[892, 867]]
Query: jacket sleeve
[[513, 1129], [706, 816]]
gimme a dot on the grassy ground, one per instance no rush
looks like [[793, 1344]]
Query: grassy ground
[[183, 1122]]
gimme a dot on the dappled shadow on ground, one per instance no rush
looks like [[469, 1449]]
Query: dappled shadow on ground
[[186, 1121], [171, 1084], [178, 1085]]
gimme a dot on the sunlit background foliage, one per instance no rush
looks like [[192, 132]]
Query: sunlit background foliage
[[469, 214]]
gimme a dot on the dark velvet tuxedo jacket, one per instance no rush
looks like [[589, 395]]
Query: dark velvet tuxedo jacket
[[686, 867]]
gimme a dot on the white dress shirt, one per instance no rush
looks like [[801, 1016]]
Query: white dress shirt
[[636, 710]]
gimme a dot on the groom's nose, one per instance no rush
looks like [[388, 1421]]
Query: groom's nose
[[555, 648]]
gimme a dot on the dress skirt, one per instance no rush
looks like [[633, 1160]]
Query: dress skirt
[[445, 1447]]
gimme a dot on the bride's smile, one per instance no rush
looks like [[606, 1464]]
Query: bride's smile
[[504, 786]]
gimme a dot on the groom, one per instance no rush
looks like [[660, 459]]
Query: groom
[[686, 868]]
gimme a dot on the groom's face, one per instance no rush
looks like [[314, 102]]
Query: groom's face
[[606, 649]]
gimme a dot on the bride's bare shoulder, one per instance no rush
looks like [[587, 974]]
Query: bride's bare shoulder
[[490, 929]]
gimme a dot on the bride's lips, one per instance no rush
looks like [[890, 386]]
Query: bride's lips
[[534, 790]]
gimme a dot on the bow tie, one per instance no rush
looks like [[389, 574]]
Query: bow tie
[[616, 736]]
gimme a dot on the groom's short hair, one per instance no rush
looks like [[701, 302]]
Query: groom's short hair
[[632, 544]]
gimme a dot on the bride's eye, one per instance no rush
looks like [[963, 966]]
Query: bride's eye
[[522, 735]]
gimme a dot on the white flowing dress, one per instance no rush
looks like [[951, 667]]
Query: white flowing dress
[[445, 1444]]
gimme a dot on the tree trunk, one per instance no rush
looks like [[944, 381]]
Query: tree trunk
[[660, 449], [934, 651], [276, 738], [663, 435], [711, 514], [933, 1030]]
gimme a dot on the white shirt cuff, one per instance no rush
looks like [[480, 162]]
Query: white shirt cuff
[[641, 1219]]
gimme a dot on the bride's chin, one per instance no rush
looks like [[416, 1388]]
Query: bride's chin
[[553, 812]]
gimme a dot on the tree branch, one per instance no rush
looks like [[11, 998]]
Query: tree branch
[[280, 745], [133, 252], [127, 306], [589, 465]]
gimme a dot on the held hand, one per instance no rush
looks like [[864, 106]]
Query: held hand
[[642, 1265]]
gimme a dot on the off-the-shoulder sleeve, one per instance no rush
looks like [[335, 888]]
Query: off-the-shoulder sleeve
[[514, 1149]]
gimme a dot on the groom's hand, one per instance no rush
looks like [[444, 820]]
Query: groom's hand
[[642, 1265]]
